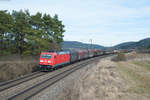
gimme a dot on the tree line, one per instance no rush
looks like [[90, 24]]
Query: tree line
[[23, 33]]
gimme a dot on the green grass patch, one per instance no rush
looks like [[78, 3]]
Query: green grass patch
[[143, 64], [120, 57], [141, 82]]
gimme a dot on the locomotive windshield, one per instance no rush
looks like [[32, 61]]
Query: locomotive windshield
[[46, 56]]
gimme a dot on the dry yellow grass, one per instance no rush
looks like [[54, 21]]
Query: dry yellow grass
[[101, 83], [15, 67]]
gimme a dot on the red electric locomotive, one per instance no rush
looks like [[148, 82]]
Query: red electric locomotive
[[50, 60]]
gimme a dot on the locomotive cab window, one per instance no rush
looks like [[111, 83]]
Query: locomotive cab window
[[46, 56]]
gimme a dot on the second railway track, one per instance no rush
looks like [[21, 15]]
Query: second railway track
[[30, 92], [12, 83]]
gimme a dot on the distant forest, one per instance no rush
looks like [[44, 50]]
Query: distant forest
[[26, 34]]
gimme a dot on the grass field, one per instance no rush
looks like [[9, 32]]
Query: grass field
[[138, 74]]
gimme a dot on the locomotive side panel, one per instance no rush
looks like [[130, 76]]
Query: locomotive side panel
[[61, 58]]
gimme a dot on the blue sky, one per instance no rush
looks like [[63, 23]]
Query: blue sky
[[106, 22]]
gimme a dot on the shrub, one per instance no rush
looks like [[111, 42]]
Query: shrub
[[120, 57]]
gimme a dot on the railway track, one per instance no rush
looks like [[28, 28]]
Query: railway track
[[12, 83], [32, 91]]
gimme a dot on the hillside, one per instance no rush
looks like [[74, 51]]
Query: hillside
[[144, 43], [131, 45], [75, 44], [125, 45]]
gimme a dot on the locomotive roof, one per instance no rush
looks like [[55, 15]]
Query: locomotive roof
[[62, 52], [57, 52]]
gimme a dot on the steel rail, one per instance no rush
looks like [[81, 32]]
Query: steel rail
[[12, 83], [9, 81]]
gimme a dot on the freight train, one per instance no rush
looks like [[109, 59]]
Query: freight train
[[54, 59]]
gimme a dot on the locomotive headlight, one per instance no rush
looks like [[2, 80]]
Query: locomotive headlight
[[49, 61], [41, 60]]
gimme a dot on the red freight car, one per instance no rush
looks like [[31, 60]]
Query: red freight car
[[91, 52], [82, 54], [49, 60]]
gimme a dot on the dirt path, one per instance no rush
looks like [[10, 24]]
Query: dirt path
[[103, 82]]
